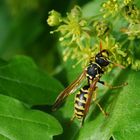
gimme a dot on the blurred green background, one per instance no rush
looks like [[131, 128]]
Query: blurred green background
[[24, 30]]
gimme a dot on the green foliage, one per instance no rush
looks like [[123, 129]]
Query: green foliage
[[23, 86], [122, 123], [19, 122], [123, 45], [121, 104], [21, 79]]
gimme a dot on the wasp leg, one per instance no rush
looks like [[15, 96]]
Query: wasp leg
[[82, 122], [113, 87], [102, 110]]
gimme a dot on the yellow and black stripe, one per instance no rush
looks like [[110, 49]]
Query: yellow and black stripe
[[80, 102]]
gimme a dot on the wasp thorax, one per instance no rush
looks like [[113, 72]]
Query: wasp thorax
[[102, 58]]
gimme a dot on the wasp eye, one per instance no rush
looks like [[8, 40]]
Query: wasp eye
[[105, 54]]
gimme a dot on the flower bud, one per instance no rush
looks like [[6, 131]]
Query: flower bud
[[128, 1], [76, 11], [54, 18]]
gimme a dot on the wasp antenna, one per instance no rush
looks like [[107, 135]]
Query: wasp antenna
[[118, 65], [101, 46]]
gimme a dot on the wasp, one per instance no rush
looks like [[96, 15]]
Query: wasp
[[83, 98]]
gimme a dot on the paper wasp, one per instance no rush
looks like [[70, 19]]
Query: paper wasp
[[93, 73]]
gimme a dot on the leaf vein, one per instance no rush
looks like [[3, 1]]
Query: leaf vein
[[26, 83], [21, 119]]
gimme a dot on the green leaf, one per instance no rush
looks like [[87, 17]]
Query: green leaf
[[72, 72], [21, 79], [19, 122], [92, 8], [122, 105]]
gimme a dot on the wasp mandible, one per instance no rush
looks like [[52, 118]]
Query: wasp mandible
[[93, 73]]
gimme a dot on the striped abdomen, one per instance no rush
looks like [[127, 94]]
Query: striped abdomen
[[80, 102]]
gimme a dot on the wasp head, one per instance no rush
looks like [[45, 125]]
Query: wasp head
[[102, 58]]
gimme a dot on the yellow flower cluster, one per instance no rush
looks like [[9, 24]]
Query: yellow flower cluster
[[126, 2], [80, 37], [132, 13], [110, 7]]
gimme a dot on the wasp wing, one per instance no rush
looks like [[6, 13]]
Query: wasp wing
[[90, 93], [69, 90]]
